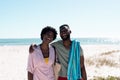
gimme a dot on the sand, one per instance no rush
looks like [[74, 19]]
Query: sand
[[100, 60]]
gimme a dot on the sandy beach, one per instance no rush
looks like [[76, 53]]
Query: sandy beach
[[100, 60]]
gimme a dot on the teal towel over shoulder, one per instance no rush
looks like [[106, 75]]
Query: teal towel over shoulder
[[74, 71]]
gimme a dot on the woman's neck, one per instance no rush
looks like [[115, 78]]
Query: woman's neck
[[45, 50], [44, 46]]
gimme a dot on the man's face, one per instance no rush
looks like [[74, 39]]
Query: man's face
[[65, 33]]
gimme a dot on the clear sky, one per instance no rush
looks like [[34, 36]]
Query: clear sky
[[86, 18]]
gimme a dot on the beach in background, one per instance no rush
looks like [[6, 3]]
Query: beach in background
[[101, 60]]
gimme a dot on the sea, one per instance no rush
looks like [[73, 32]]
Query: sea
[[83, 41]]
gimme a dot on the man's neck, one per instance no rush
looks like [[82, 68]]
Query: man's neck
[[67, 43]]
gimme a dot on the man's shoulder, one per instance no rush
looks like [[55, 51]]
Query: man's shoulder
[[56, 42], [75, 40]]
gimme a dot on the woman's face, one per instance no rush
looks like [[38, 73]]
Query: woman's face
[[48, 37]]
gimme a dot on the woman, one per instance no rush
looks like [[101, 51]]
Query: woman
[[42, 57]]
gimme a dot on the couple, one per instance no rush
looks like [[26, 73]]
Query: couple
[[42, 57]]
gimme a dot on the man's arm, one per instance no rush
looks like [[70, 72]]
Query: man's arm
[[30, 76], [83, 70]]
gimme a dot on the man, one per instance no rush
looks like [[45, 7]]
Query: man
[[62, 50]]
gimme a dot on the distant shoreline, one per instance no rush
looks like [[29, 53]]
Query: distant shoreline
[[83, 41]]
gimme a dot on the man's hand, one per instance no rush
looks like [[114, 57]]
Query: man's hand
[[32, 47]]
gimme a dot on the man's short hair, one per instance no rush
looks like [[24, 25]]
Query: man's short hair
[[64, 25]]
